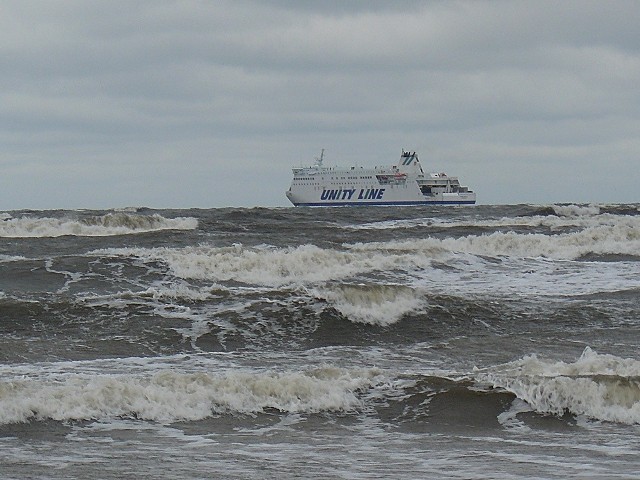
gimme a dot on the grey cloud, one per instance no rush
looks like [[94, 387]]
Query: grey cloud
[[234, 87]]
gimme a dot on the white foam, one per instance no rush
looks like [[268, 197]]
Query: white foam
[[169, 395], [603, 387], [535, 263], [309, 263], [623, 237], [509, 419], [576, 210], [11, 258], [116, 223], [306, 264], [372, 304], [566, 216], [177, 291]]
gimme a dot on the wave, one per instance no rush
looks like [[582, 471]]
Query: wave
[[558, 219], [623, 238], [598, 386], [621, 209], [310, 265], [116, 223], [302, 265], [170, 396], [562, 210], [11, 258], [575, 210], [372, 304]]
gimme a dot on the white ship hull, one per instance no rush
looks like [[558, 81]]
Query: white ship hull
[[402, 184]]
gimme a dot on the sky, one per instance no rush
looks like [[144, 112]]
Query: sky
[[179, 104]]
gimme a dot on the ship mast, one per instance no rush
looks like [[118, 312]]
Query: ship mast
[[319, 160]]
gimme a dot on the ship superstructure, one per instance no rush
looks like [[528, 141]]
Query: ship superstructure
[[404, 183]]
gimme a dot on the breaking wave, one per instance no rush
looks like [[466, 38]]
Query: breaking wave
[[116, 223], [590, 210], [554, 218], [170, 396], [310, 264], [576, 210], [372, 304], [623, 238], [306, 264], [598, 386]]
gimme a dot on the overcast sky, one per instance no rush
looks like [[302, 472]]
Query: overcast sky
[[210, 103]]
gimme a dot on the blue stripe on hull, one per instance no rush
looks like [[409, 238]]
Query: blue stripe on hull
[[382, 204]]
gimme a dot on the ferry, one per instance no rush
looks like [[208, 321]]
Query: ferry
[[402, 184]]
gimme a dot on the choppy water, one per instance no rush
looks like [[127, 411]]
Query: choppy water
[[465, 342]]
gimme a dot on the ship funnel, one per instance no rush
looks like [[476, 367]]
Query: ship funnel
[[409, 162]]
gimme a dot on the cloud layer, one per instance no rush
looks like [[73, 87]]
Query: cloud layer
[[208, 104]]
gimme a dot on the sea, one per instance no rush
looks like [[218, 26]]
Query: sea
[[463, 342]]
